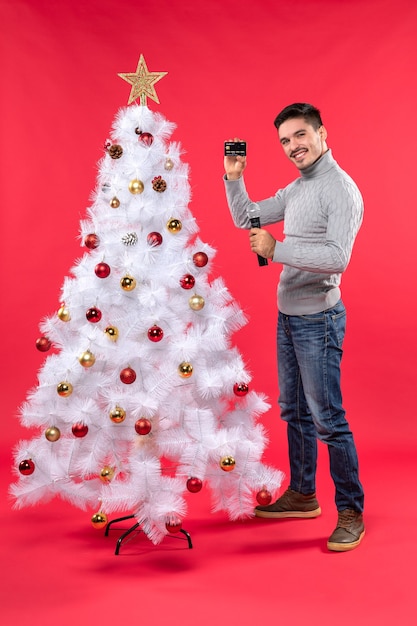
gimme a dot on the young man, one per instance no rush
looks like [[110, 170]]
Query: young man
[[322, 212]]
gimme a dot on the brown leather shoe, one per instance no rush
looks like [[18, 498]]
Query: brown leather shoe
[[348, 533], [291, 504]]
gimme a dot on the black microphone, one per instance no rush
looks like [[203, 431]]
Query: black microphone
[[254, 213]]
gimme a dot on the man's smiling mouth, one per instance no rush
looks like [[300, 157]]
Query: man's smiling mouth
[[298, 154]]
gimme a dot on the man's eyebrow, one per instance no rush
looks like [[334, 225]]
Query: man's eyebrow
[[297, 132]]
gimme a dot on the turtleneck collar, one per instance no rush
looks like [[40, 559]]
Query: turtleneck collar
[[322, 165]]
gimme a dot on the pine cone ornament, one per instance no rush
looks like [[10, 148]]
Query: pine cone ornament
[[130, 239], [159, 184], [115, 151]]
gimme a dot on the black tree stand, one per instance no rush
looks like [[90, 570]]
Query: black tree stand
[[123, 536]]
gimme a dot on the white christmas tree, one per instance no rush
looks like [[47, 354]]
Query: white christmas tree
[[143, 398]]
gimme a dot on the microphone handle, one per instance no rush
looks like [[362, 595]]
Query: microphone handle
[[256, 223]]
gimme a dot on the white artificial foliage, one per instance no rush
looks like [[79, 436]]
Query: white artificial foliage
[[185, 375]]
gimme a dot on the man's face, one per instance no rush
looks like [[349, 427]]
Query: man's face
[[302, 144]]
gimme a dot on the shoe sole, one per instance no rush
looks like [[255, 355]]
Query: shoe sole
[[286, 514], [345, 547]]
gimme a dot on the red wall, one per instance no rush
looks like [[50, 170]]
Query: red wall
[[231, 67]]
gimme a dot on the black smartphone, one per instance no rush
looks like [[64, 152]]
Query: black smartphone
[[235, 148]]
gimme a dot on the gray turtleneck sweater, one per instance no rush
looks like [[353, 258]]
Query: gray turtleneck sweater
[[322, 212]]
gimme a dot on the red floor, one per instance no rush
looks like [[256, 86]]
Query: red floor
[[58, 569]]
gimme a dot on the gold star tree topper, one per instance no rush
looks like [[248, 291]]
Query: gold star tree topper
[[142, 82]]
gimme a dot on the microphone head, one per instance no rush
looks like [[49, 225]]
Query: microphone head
[[254, 210]]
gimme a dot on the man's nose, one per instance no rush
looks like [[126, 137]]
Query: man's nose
[[293, 144]]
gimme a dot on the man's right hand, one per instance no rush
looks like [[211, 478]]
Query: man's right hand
[[234, 165]]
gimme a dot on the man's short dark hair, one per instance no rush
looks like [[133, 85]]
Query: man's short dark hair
[[299, 109]]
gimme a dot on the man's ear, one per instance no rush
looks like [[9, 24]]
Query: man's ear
[[323, 133]]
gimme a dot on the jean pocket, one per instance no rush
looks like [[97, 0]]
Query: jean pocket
[[338, 321]]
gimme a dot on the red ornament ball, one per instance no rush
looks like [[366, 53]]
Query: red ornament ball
[[102, 270], [91, 241], [154, 239], [187, 281], [128, 376], [174, 525], [143, 426], [43, 344], [146, 139], [79, 430], [240, 389], [194, 484], [263, 497], [155, 334], [26, 467], [200, 259], [93, 315]]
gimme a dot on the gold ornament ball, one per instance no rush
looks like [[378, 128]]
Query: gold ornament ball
[[99, 520], [169, 164], [112, 333], [106, 474], [115, 203], [87, 359], [52, 433], [128, 283], [227, 463], [185, 369], [196, 303], [63, 313], [117, 415], [174, 225], [64, 389], [136, 186]]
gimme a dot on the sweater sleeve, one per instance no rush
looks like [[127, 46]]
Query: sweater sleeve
[[272, 209], [328, 252]]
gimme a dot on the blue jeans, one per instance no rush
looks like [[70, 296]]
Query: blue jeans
[[309, 357]]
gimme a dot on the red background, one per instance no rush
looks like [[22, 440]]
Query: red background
[[231, 67]]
